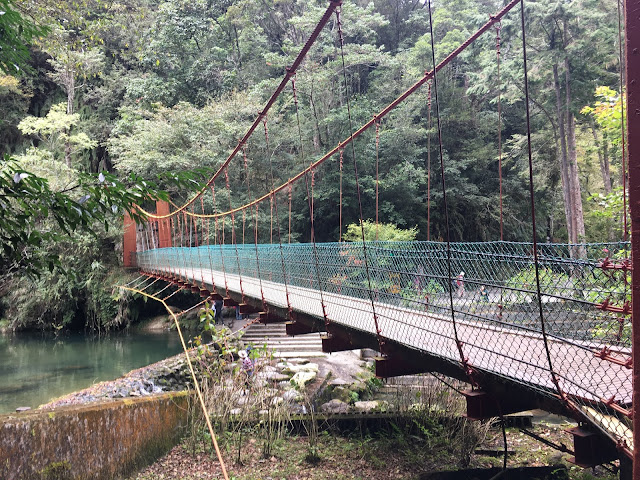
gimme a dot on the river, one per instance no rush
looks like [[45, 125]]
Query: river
[[35, 368]]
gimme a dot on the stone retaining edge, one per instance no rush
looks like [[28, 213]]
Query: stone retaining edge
[[99, 441]]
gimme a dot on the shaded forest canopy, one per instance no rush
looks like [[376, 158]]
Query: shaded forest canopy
[[143, 86]]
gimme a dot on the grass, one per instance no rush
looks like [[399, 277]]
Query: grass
[[391, 455], [430, 435]]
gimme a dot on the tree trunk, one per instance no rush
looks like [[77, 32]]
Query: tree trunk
[[71, 90], [574, 179], [606, 169], [562, 151], [603, 157]]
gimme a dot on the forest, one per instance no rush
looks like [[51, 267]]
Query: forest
[[106, 104]]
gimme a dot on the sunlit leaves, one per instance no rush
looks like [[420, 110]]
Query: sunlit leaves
[[381, 231], [55, 131], [607, 111], [32, 213]]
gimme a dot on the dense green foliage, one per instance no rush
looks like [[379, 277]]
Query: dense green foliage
[[384, 232], [151, 86]]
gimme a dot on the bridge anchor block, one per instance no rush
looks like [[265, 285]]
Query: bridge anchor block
[[591, 449], [268, 317], [396, 366], [298, 328], [482, 406]]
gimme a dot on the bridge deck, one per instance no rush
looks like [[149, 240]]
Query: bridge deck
[[513, 353]]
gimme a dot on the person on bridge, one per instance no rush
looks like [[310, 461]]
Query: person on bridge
[[218, 307], [484, 293], [460, 284]]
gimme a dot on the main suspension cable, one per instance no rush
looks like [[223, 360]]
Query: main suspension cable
[[289, 72], [382, 113]]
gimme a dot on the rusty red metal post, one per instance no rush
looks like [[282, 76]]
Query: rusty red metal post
[[632, 32], [129, 242], [164, 225]]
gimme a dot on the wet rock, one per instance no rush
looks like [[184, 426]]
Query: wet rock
[[367, 406], [368, 354], [337, 382], [334, 406], [300, 379], [299, 361], [283, 365], [358, 386], [342, 394], [309, 367], [273, 376], [292, 395]]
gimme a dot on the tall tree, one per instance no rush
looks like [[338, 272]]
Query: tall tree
[[572, 39]]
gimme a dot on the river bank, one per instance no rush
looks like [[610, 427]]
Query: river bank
[[36, 368], [254, 410]]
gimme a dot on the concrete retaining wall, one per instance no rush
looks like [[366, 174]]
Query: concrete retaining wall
[[93, 441]]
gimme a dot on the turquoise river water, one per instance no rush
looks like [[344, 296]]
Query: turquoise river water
[[35, 369]]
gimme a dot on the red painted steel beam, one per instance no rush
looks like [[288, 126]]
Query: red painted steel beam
[[632, 45], [482, 405], [269, 317], [397, 366], [299, 328]]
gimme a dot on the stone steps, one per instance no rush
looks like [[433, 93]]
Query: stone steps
[[282, 345]]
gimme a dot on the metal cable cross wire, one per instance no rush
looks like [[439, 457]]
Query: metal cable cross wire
[[463, 359], [196, 383], [380, 338], [275, 204]]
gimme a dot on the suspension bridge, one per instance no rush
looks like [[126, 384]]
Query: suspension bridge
[[526, 324]]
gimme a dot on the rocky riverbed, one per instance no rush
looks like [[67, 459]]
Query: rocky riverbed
[[332, 384]]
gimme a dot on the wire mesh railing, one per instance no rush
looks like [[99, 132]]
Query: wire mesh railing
[[585, 295], [493, 281]]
